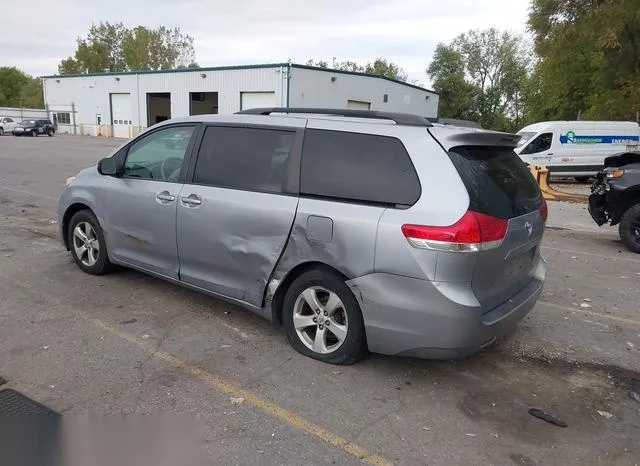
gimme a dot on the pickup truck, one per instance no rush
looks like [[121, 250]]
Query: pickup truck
[[6, 125]]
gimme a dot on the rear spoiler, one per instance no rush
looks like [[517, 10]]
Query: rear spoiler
[[450, 137]]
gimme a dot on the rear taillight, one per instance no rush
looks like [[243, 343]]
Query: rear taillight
[[544, 210], [473, 232]]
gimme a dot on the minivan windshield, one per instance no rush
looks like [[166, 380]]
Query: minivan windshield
[[525, 137]]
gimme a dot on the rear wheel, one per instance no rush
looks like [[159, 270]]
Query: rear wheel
[[87, 244], [322, 318], [630, 228], [50, 132]]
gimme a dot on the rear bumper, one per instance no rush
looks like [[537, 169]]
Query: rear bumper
[[411, 317]]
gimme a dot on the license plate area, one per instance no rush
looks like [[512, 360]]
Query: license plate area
[[520, 265]]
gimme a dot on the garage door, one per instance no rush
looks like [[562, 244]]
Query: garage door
[[358, 105], [257, 100], [121, 115]]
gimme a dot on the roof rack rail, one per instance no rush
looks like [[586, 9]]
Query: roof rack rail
[[407, 119]]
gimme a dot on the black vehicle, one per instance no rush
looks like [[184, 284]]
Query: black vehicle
[[615, 197], [34, 128]]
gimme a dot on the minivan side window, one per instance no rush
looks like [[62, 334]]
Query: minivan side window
[[159, 155], [358, 167], [539, 144], [252, 159]]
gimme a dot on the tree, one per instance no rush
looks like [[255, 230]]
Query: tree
[[482, 76], [18, 89], [379, 67], [382, 67], [589, 59], [447, 72], [115, 48]]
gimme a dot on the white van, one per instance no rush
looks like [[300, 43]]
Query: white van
[[575, 148]]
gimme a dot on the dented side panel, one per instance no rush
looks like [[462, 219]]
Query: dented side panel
[[230, 243], [340, 235]]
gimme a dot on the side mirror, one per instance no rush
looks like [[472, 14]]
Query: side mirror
[[108, 167]]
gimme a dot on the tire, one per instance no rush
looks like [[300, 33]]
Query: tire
[[96, 263], [629, 228], [582, 179], [50, 133], [344, 314], [33, 134], [1, 131]]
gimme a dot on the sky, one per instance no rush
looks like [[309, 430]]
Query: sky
[[237, 32]]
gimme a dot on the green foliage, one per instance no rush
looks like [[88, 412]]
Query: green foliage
[[481, 76], [113, 47], [380, 67], [18, 89], [589, 62]]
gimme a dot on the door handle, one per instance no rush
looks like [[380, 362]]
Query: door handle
[[191, 200], [549, 153], [165, 196]]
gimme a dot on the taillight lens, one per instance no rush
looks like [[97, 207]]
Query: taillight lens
[[473, 232], [544, 210]]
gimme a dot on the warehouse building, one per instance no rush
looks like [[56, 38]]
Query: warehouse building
[[123, 104]]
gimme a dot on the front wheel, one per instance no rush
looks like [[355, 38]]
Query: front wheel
[[322, 318], [87, 244], [1, 131], [33, 133], [629, 228]]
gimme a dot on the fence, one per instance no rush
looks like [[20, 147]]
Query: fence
[[20, 114]]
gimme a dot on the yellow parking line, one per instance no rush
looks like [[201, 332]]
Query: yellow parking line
[[251, 398], [590, 313]]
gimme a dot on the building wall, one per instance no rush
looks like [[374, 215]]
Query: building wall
[[89, 94], [85, 97], [315, 88]]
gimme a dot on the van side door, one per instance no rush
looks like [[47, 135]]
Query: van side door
[[236, 211]]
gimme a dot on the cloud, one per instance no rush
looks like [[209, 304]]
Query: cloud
[[250, 31]]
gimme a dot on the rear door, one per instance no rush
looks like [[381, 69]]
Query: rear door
[[235, 216], [499, 185]]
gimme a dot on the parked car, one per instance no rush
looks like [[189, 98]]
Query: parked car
[[356, 230], [615, 197], [6, 125], [34, 128], [575, 148]]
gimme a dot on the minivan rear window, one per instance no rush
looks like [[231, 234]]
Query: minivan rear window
[[498, 182]]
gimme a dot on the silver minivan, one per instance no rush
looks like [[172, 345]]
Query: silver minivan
[[355, 230]]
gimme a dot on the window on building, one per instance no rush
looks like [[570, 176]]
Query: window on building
[[63, 118], [251, 159], [358, 167]]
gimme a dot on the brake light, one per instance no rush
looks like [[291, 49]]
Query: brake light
[[544, 211], [473, 232]]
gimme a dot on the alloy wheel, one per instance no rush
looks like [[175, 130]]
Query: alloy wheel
[[86, 244], [320, 320]]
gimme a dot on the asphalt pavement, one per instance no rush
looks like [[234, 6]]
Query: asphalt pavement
[[127, 343]]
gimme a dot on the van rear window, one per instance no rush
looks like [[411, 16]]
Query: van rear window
[[498, 182]]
